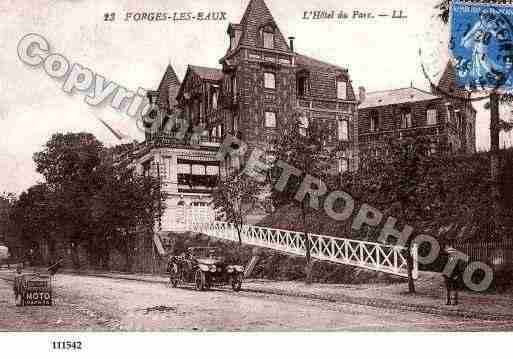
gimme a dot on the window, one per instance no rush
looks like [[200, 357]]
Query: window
[[235, 162], [234, 87], [449, 113], [432, 148], [220, 131], [303, 126], [406, 121], [431, 116], [302, 86], [214, 99], [459, 120], [146, 168], [212, 170], [235, 125], [269, 80], [343, 132], [198, 170], [341, 90], [343, 165], [374, 121], [184, 168], [268, 40], [238, 34], [270, 119]]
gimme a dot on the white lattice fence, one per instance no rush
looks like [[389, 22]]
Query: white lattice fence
[[369, 255]]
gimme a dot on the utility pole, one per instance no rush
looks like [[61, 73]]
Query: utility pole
[[494, 159]]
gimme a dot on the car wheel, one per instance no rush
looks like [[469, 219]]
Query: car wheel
[[200, 280], [237, 282]]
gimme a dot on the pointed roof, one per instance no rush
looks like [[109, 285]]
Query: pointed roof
[[168, 89], [448, 87], [256, 16], [395, 97], [207, 73], [448, 83]]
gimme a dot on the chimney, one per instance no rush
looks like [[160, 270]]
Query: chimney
[[361, 94], [291, 42]]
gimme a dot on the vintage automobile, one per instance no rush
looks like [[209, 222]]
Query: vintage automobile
[[204, 267]]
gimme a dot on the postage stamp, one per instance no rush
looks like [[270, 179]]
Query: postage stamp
[[481, 45]]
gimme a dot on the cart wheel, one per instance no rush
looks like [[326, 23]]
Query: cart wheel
[[237, 282], [200, 280]]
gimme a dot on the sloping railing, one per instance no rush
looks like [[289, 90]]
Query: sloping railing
[[368, 255]]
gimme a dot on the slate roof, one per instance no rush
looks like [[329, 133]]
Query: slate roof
[[168, 89], [396, 96], [207, 73], [309, 62], [257, 15]]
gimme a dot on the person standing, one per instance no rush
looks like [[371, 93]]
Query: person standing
[[454, 280], [18, 282]]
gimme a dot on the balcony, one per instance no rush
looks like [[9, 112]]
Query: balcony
[[378, 136], [189, 183], [178, 138]]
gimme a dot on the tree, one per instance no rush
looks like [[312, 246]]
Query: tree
[[7, 201], [69, 163], [33, 220], [126, 205], [300, 146], [90, 201], [393, 180], [236, 196]]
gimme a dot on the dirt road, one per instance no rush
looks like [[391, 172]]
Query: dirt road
[[89, 303]]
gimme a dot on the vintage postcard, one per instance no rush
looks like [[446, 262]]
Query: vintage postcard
[[255, 166]]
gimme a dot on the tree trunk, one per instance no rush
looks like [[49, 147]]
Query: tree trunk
[[409, 263], [238, 234], [494, 161]]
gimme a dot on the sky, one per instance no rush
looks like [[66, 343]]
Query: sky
[[380, 53]]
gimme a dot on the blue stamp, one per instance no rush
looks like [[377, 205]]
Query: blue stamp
[[481, 45]]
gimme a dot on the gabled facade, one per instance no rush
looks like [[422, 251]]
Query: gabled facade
[[445, 116], [188, 171], [262, 81]]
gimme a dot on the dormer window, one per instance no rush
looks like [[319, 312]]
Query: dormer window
[[235, 38], [268, 40], [341, 89]]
